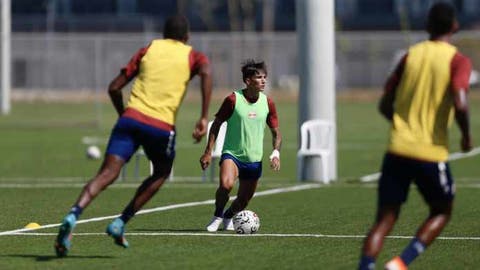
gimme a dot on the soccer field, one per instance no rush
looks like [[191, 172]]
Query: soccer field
[[303, 225]]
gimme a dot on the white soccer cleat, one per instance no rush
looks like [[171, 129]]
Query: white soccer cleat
[[228, 224], [214, 224]]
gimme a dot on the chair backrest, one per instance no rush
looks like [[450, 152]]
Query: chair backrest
[[217, 149], [316, 135]]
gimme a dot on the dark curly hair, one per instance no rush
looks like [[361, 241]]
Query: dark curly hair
[[250, 68]]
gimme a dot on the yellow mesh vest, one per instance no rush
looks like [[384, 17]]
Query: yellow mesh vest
[[423, 107], [162, 80]]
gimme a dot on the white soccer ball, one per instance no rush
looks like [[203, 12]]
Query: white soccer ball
[[93, 152], [246, 222]]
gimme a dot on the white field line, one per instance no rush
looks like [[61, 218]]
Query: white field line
[[454, 156], [53, 182], [284, 235], [169, 207]]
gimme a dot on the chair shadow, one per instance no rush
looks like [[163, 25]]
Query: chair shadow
[[47, 258]]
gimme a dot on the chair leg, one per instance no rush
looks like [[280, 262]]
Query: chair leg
[[204, 175], [325, 177], [170, 176], [299, 168], [124, 172]]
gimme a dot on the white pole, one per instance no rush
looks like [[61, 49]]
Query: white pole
[[316, 47], [6, 63]]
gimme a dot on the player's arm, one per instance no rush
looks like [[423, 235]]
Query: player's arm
[[115, 92], [385, 106], [277, 143], [202, 67], [461, 69], [206, 158], [222, 115], [462, 118], [272, 122], [126, 75]]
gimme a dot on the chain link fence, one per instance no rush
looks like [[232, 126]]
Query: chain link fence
[[72, 61]]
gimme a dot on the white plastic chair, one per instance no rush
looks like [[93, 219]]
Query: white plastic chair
[[217, 149], [316, 139]]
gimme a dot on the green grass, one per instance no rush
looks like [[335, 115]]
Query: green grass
[[41, 144]]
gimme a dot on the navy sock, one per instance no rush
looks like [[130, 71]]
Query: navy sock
[[127, 214], [412, 251], [76, 211], [218, 212], [366, 263], [229, 213]]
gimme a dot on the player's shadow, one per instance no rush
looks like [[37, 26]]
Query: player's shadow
[[47, 258], [167, 230]]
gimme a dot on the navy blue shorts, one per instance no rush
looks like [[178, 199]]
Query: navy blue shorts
[[246, 170], [433, 180], [128, 134]]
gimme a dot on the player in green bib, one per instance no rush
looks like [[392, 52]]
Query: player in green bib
[[247, 111]]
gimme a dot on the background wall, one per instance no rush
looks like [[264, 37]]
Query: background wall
[[81, 61]]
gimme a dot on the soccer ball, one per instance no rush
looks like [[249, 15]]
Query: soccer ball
[[93, 152], [246, 222]]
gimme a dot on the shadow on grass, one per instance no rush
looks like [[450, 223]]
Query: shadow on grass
[[168, 230], [47, 258]]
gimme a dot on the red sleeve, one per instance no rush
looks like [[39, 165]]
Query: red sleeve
[[272, 118], [196, 60], [461, 67], [396, 75], [131, 69], [226, 109]]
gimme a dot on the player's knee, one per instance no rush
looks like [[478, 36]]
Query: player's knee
[[106, 176], [226, 183]]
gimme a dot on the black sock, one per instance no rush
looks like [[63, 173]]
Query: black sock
[[127, 214], [218, 212], [229, 213]]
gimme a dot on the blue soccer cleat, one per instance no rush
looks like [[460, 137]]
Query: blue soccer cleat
[[62, 244], [116, 230]]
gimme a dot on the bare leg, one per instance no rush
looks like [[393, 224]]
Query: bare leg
[[386, 218], [437, 220], [246, 191], [228, 175], [147, 189], [106, 175]]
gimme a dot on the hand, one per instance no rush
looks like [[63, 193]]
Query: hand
[[275, 164], [205, 160], [466, 143], [200, 129]]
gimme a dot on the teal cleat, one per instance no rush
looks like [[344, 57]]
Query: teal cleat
[[62, 244], [116, 230]]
